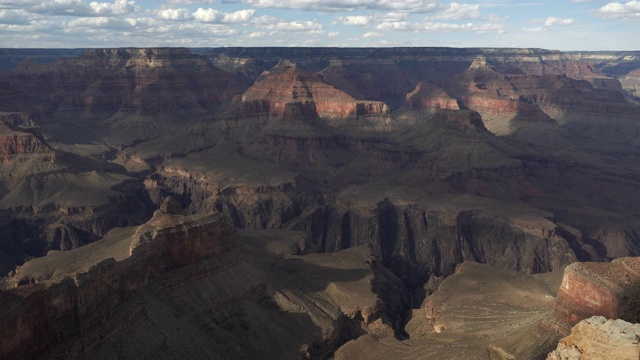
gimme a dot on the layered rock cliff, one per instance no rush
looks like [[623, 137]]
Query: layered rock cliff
[[603, 289], [136, 287], [82, 295], [631, 82], [129, 94]]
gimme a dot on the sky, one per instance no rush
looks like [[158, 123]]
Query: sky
[[549, 24]]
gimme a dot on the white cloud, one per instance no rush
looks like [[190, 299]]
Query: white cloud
[[174, 14], [534, 29], [257, 34], [394, 25], [219, 17], [371, 34], [547, 23], [551, 20], [189, 2], [442, 27], [616, 10], [239, 16], [14, 17], [418, 6], [456, 11], [118, 7], [293, 26], [353, 20], [450, 27], [415, 6], [392, 16], [73, 7], [103, 22], [63, 7]]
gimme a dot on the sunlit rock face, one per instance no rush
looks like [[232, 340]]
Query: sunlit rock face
[[603, 289], [599, 338]]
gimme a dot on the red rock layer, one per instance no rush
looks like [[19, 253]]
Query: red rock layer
[[129, 80], [287, 84], [17, 143], [509, 102], [429, 96], [611, 290]]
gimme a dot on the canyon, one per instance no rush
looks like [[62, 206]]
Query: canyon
[[312, 202]]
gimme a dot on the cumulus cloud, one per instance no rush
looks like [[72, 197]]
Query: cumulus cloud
[[103, 22], [616, 10], [63, 7], [534, 29], [257, 34], [353, 20], [416, 6], [219, 17], [371, 34], [456, 11], [547, 23], [118, 7], [444, 27], [394, 26], [188, 2], [551, 20], [174, 14], [14, 17], [72, 7], [451, 27], [293, 26]]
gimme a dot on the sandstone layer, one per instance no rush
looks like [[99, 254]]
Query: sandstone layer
[[603, 289], [599, 338]]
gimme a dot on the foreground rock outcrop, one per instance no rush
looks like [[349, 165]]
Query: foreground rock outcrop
[[599, 338], [133, 290], [81, 294]]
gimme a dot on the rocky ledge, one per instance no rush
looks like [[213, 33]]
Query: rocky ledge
[[599, 338], [80, 295]]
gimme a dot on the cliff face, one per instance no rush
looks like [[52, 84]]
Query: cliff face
[[84, 299], [609, 290], [287, 84], [20, 145], [428, 96], [136, 286], [130, 94], [631, 82], [419, 237]]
